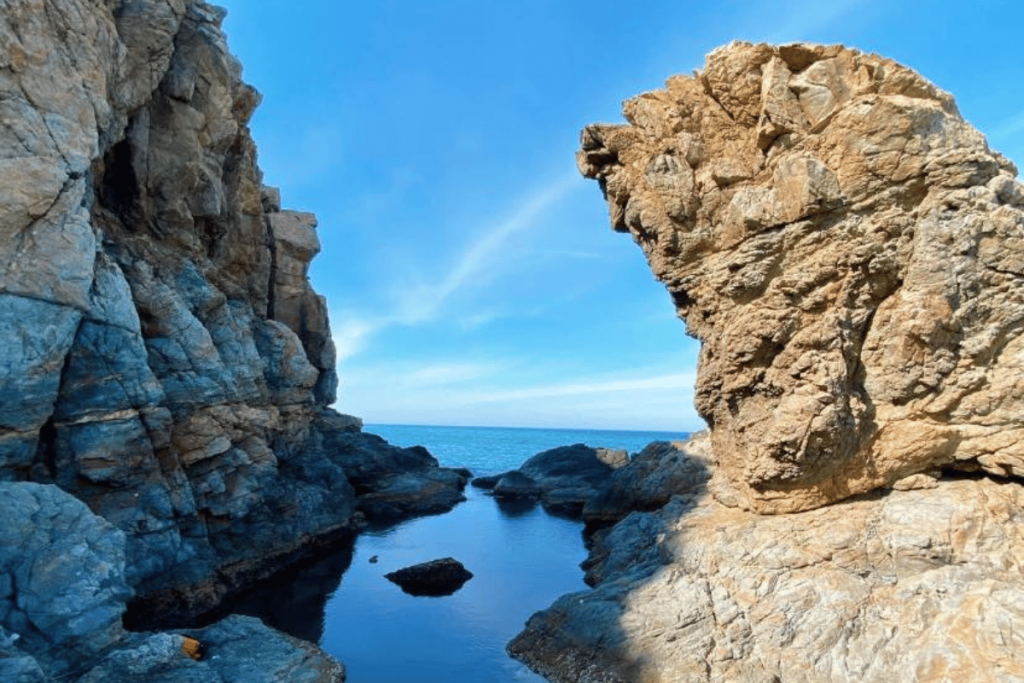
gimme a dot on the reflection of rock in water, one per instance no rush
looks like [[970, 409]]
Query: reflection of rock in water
[[294, 600], [516, 507]]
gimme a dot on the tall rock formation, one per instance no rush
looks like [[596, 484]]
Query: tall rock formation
[[849, 252], [165, 359]]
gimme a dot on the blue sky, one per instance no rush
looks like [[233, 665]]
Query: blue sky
[[471, 275]]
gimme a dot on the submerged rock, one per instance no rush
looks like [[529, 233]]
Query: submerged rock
[[435, 578]]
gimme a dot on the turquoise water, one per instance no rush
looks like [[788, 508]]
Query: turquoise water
[[521, 558]]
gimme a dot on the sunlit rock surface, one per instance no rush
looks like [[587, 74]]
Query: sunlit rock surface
[[919, 585], [849, 252]]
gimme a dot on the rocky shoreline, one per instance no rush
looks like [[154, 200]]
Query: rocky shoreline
[[846, 247], [848, 250], [168, 370]]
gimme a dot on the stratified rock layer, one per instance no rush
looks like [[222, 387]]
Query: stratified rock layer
[[165, 359], [849, 252]]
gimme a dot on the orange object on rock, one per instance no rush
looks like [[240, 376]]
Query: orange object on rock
[[192, 648]]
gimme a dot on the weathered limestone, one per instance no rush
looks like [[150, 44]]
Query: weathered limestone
[[847, 249]]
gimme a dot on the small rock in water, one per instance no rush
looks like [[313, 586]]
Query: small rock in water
[[435, 578]]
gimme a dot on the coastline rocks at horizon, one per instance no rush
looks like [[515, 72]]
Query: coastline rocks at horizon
[[848, 250], [166, 361], [562, 478], [600, 485]]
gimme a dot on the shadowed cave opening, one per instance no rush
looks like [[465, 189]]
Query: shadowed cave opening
[[119, 188]]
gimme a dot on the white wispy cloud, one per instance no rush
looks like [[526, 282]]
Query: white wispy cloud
[[483, 256], [350, 333], [457, 392], [473, 267], [679, 380], [448, 373]]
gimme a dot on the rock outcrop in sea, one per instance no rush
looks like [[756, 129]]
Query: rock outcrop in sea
[[165, 360], [850, 253]]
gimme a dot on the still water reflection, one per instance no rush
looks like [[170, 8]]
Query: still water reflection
[[521, 558]]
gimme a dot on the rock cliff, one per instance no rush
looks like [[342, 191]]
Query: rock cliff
[[165, 359], [849, 252]]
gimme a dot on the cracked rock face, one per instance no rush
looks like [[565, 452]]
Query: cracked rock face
[[849, 252], [165, 358], [920, 585]]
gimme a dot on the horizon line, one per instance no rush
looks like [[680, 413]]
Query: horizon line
[[555, 429]]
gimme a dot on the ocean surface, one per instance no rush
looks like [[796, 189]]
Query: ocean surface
[[521, 558], [491, 450]]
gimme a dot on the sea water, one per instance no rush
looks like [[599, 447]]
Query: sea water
[[521, 559]]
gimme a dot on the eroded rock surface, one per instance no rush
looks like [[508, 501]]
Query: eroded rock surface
[[849, 252], [651, 478], [235, 649], [435, 578], [62, 579], [562, 478], [918, 585], [165, 359]]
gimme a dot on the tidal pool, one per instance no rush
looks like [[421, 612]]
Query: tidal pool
[[521, 558]]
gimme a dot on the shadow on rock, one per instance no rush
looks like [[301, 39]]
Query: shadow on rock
[[580, 637], [294, 600]]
